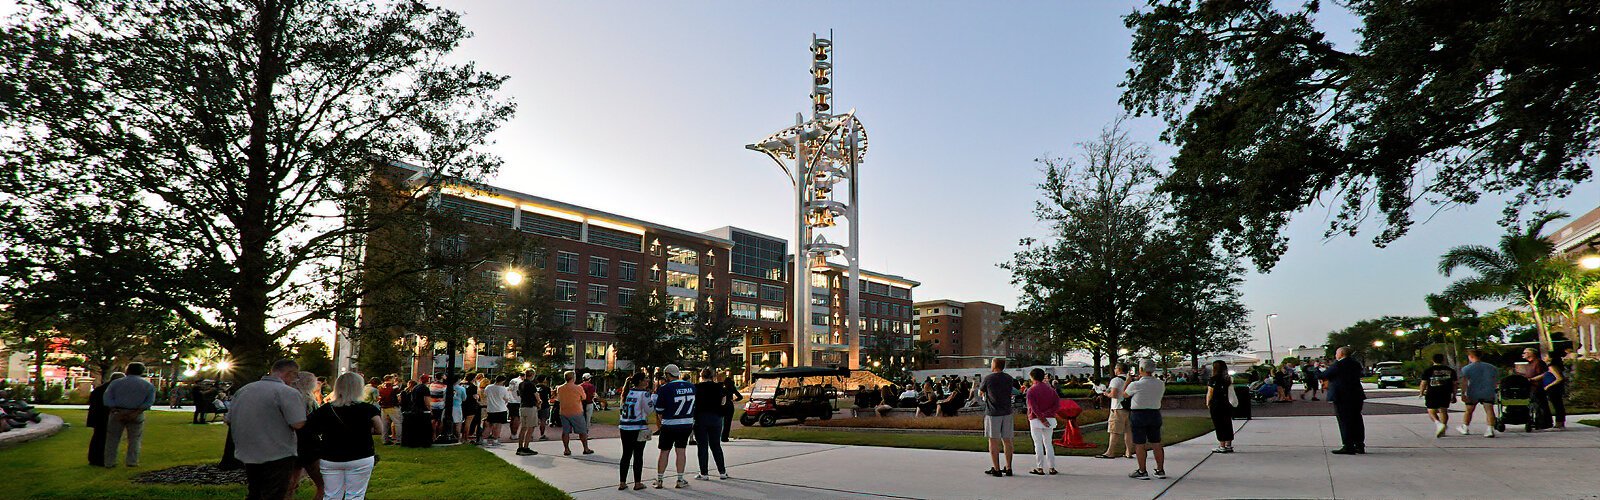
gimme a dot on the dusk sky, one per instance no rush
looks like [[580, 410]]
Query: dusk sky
[[643, 109]]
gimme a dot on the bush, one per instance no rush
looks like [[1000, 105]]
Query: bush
[[24, 392], [1585, 380]]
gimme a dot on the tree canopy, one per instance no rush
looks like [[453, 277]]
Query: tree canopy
[[1439, 104]]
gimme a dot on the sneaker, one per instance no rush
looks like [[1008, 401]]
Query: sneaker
[[1438, 429], [1488, 433], [523, 452], [723, 477], [682, 484], [1161, 473], [1140, 474], [1463, 429], [1220, 449], [700, 477], [1227, 449], [658, 484]]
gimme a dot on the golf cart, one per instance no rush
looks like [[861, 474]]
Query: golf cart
[[1389, 374], [784, 393]]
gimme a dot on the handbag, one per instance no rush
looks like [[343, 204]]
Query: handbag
[[1233, 397], [644, 435]]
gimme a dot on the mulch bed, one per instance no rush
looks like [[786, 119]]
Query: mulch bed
[[192, 474]]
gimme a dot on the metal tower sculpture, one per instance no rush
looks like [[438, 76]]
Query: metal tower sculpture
[[821, 157]]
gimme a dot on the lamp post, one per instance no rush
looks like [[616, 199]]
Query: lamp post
[[1271, 356]]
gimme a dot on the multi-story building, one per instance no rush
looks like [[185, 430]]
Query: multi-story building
[[595, 262], [965, 334], [1580, 240]]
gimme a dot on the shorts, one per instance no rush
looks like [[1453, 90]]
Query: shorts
[[544, 414], [391, 413], [1469, 400], [1117, 422], [999, 427], [455, 415], [1145, 425], [1437, 401], [497, 417], [514, 409], [575, 424], [527, 414], [674, 437]]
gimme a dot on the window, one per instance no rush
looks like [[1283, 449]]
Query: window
[[621, 240], [628, 271], [743, 310], [683, 255], [770, 313], [596, 322], [598, 293], [711, 258], [566, 291], [743, 289], [551, 226], [599, 267], [567, 262], [819, 319], [482, 213], [655, 274], [772, 293], [624, 296], [819, 281], [567, 316], [758, 256], [683, 280], [681, 304], [711, 282], [655, 247], [595, 350]]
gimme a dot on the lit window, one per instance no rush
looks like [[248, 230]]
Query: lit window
[[596, 322]]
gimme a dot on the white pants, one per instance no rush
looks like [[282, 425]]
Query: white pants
[[1043, 452], [346, 480]]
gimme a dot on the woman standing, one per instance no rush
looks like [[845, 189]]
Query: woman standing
[[1219, 397], [708, 422], [1555, 389], [307, 445], [470, 407], [98, 413], [731, 396], [631, 415], [416, 421], [344, 428]]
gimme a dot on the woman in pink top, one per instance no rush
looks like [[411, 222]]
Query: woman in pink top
[[1043, 403]]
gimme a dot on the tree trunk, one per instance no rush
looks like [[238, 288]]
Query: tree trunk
[[41, 345], [446, 422], [1545, 344]]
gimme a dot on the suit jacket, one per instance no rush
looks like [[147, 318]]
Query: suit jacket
[[1344, 381]]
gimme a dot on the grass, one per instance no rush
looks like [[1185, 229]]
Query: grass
[[1174, 430], [1590, 422], [961, 422], [56, 467]]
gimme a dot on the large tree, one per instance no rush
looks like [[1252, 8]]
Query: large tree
[[648, 334], [1438, 103], [240, 138], [1200, 311], [711, 337], [540, 335], [1082, 284]]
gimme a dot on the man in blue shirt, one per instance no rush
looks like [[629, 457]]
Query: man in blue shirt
[[127, 398], [1479, 380], [675, 407]]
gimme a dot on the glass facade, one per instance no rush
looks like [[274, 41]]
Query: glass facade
[[743, 289], [683, 255], [772, 292], [621, 240], [758, 256], [743, 310]]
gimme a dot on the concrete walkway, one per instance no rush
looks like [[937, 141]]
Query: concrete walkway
[[1278, 458]]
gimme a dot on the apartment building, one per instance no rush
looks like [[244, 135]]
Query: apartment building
[[885, 305], [1580, 240], [964, 334]]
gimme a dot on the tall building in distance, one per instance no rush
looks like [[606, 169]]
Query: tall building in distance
[[965, 334]]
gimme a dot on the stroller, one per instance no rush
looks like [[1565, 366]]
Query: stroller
[[1514, 406]]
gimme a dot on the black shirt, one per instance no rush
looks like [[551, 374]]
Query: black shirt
[[528, 391], [731, 393], [1219, 389], [544, 396], [708, 398], [346, 431], [419, 400], [1440, 379]]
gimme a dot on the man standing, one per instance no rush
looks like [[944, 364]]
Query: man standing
[[1117, 419], [263, 419], [528, 391], [588, 395], [127, 399], [1344, 389], [1308, 374], [389, 409], [514, 404], [674, 404], [495, 409], [997, 390], [547, 401], [1438, 392], [98, 415], [1479, 380], [570, 395], [1144, 419]]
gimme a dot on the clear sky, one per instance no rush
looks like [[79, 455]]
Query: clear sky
[[643, 109]]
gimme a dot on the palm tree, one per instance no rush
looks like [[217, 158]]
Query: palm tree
[[1575, 289], [1520, 271]]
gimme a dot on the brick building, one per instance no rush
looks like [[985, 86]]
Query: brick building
[[965, 334], [1580, 240]]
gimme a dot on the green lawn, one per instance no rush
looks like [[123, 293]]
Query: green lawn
[[1174, 430], [1590, 422], [56, 467]]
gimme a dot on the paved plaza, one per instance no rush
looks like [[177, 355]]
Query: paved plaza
[[1283, 457]]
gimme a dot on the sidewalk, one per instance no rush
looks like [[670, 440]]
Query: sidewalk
[[1278, 458]]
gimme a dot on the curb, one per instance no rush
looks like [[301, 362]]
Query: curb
[[48, 426]]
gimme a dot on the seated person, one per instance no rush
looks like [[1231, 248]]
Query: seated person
[[908, 399], [952, 404]]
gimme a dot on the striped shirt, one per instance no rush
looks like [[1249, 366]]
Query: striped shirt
[[675, 403]]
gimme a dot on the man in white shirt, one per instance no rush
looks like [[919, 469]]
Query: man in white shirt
[[1117, 419], [495, 397], [1144, 419], [514, 403]]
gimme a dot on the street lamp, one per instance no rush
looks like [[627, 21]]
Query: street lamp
[[1591, 261], [1444, 319], [1377, 343], [1271, 357], [513, 277], [1400, 332]]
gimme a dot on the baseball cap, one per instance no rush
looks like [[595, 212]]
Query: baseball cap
[[671, 369], [588, 376]]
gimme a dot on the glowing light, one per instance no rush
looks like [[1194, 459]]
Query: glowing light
[[1377, 343], [513, 277], [224, 365], [1444, 319], [1400, 332], [1591, 261], [190, 372], [1591, 309]]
